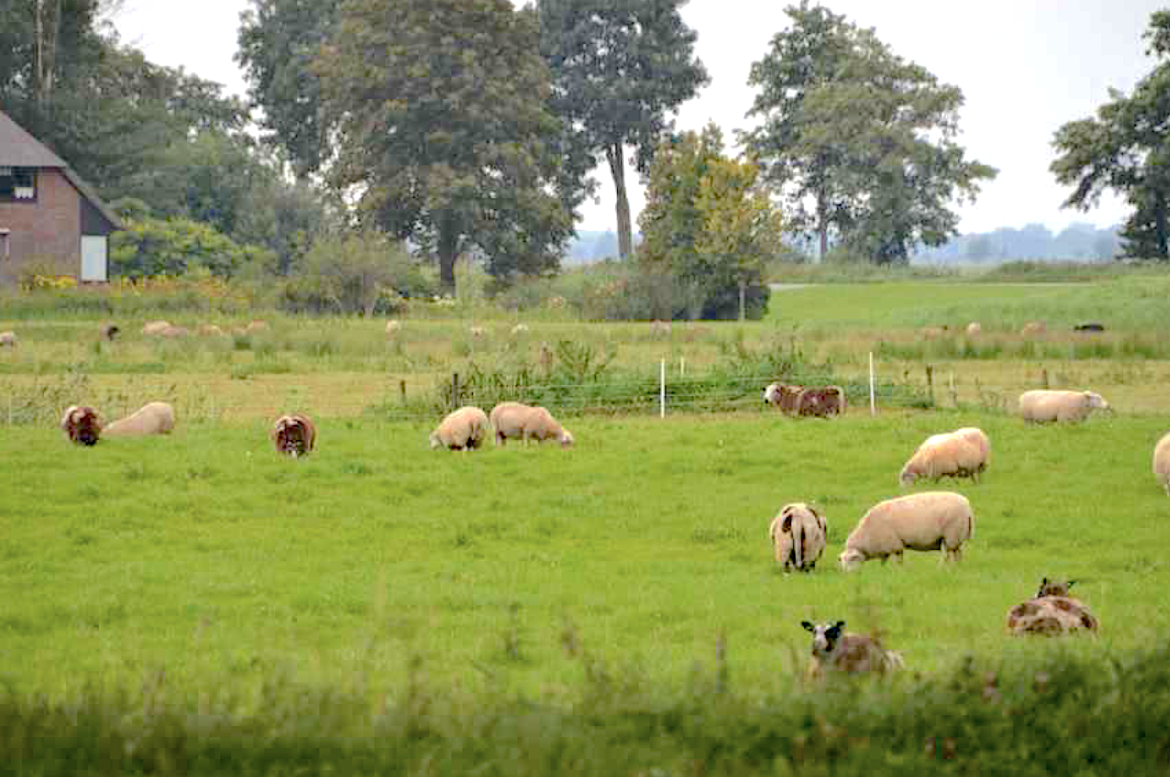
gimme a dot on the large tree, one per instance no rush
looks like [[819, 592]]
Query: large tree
[[619, 68], [443, 132], [860, 141], [1126, 148]]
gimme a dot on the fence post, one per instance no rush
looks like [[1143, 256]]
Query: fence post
[[682, 366], [454, 390], [930, 383], [402, 391], [1044, 377], [954, 394], [662, 391], [872, 399]]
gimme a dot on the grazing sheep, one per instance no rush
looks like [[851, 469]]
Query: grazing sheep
[[1162, 462], [109, 332], [526, 422], [256, 325], [392, 327], [151, 418], [944, 455], [294, 435], [211, 330], [932, 520], [1043, 405], [519, 329], [820, 402], [980, 440], [834, 650], [1051, 612], [1034, 329], [172, 332], [82, 425], [462, 429], [798, 534], [782, 395], [153, 328], [8, 339], [974, 329]]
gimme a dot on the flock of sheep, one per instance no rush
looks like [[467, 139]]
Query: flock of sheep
[[934, 520], [466, 428]]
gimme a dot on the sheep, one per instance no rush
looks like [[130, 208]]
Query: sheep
[[935, 332], [1162, 462], [256, 325], [172, 332], [153, 328], [945, 455], [294, 435], [517, 420], [1051, 612], [211, 330], [108, 332], [798, 534], [477, 332], [820, 402], [974, 329], [660, 328], [833, 650], [393, 327], [82, 425], [9, 339], [151, 418], [462, 429], [1042, 405], [519, 329], [1033, 329], [979, 439], [932, 520], [783, 396]]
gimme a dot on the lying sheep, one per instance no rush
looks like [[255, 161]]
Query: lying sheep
[[1051, 612], [520, 329], [1162, 462], [833, 650], [172, 332], [294, 435], [82, 425], [211, 330], [393, 327], [154, 328], [946, 455], [151, 418], [932, 520], [1043, 406], [974, 329], [8, 339], [519, 421], [1033, 329], [462, 429], [799, 534]]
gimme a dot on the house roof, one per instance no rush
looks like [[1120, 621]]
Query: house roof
[[20, 149]]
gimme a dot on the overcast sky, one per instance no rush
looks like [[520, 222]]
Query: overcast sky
[[1024, 66]]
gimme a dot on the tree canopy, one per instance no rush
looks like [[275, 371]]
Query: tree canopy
[[619, 68], [1126, 148], [860, 141], [443, 130]]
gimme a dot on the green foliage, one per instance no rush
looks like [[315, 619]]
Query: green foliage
[[864, 136], [1124, 148], [708, 225], [619, 69], [454, 154], [151, 246], [357, 273]]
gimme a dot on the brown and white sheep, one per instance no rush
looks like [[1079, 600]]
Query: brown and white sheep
[[462, 429], [526, 422], [820, 402], [1043, 405], [294, 435], [834, 650], [947, 455], [151, 418], [932, 520], [1162, 462], [82, 425], [799, 534], [1051, 612]]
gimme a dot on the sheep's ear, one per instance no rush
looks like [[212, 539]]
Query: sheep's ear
[[808, 626]]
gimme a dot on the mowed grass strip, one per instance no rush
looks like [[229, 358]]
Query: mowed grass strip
[[205, 554]]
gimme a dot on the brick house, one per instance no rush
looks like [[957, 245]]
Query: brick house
[[49, 218]]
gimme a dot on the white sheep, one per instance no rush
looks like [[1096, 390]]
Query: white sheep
[[1033, 329], [172, 332], [151, 418], [974, 329], [211, 330], [978, 438], [799, 534], [256, 325], [9, 339], [393, 327], [152, 328], [82, 425], [462, 429], [834, 650], [525, 422], [1162, 462], [294, 435], [1042, 405], [519, 329], [932, 520], [946, 455], [660, 328], [477, 332]]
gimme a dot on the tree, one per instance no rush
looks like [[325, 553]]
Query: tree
[[709, 224], [1126, 148], [861, 142], [174, 246], [443, 135], [352, 273], [278, 41], [619, 67]]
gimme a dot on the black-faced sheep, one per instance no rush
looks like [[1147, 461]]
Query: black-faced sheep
[[837, 651]]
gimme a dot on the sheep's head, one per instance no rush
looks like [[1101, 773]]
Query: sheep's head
[[772, 394], [907, 477], [825, 636], [851, 559], [1054, 588], [1096, 401], [566, 438], [82, 424], [435, 441]]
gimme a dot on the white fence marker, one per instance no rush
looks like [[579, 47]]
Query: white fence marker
[[872, 400], [662, 391], [682, 366]]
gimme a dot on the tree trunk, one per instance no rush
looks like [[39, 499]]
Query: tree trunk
[[617, 166], [1160, 227], [448, 253], [822, 224]]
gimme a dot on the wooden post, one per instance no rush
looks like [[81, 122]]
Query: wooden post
[[930, 382], [402, 391], [1044, 377], [742, 300], [872, 397], [454, 390], [954, 394]]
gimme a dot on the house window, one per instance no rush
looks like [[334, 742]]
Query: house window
[[18, 184]]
